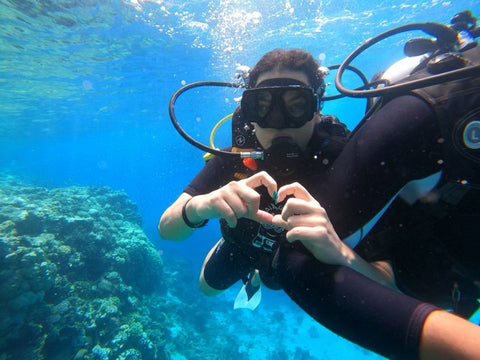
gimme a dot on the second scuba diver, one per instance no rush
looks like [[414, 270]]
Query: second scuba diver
[[422, 150]]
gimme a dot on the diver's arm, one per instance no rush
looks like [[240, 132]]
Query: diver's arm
[[328, 248], [236, 200], [375, 317], [325, 245], [213, 175], [223, 203], [384, 270], [171, 225], [306, 221], [379, 271], [447, 336]]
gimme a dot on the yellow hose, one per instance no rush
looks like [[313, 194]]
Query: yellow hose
[[207, 156]]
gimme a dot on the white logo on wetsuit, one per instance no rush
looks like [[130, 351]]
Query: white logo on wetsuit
[[267, 234], [471, 135], [240, 140]]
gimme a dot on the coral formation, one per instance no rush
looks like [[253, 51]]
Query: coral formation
[[75, 270]]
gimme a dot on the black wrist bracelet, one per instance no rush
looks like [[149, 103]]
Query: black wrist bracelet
[[187, 221]]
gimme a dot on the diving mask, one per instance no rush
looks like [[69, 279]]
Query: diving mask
[[279, 107]]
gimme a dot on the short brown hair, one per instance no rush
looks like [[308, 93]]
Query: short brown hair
[[288, 59]]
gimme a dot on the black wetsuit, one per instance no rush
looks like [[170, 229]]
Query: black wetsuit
[[250, 245], [235, 256]]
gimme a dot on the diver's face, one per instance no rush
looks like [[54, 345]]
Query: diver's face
[[300, 135]]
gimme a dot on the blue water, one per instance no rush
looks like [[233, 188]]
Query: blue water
[[85, 85]]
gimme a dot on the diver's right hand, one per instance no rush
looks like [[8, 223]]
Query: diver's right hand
[[236, 200], [307, 221]]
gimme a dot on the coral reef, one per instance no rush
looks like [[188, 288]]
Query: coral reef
[[75, 272]]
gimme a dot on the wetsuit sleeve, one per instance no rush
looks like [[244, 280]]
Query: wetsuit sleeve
[[398, 144], [353, 306]]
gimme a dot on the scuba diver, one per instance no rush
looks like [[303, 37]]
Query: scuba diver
[[279, 115], [420, 151], [418, 144]]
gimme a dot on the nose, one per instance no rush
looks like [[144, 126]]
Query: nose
[[276, 118]]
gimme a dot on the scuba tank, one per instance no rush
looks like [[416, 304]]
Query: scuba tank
[[402, 69]]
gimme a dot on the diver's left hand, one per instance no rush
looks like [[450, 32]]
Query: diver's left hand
[[307, 221]]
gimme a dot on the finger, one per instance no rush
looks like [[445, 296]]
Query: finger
[[296, 190], [226, 212], [250, 200], [278, 221], [305, 221], [263, 217], [234, 198], [296, 206], [308, 236], [262, 178], [243, 200]]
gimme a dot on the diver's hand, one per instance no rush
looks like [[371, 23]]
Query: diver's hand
[[236, 200], [305, 220]]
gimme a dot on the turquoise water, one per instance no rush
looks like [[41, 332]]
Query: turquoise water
[[85, 86]]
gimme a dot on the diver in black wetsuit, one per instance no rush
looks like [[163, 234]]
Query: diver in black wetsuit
[[299, 144], [423, 149]]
